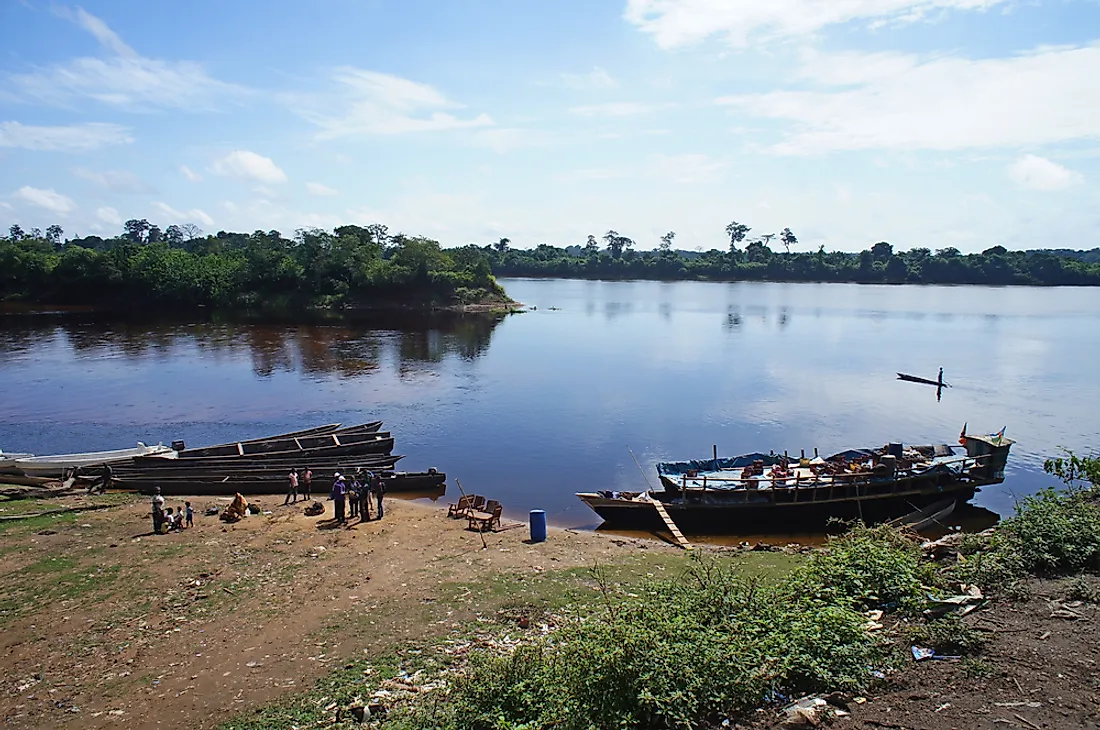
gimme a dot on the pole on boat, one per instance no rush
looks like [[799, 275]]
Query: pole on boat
[[644, 477], [484, 545]]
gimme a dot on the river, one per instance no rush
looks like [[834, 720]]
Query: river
[[530, 408]]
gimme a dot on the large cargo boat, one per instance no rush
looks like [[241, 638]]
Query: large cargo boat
[[758, 492]]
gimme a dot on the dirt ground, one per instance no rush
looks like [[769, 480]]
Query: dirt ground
[[103, 624], [1038, 671]]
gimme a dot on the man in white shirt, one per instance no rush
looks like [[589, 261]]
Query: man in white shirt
[[158, 510]]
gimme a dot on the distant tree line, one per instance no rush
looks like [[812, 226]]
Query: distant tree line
[[352, 266], [752, 259]]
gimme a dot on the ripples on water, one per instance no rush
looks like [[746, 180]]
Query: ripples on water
[[534, 407]]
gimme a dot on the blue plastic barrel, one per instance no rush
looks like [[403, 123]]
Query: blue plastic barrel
[[538, 525]]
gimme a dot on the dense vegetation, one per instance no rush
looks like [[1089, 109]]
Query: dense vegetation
[[756, 261], [350, 267]]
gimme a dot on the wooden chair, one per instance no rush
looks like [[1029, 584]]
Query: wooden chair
[[486, 518], [465, 504]]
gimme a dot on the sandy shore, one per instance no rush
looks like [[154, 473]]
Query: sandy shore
[[103, 624]]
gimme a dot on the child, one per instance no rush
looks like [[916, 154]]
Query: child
[[169, 520], [190, 515]]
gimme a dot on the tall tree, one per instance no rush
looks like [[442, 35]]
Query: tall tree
[[54, 234], [882, 251], [592, 247], [737, 232], [766, 239], [666, 241], [788, 238], [173, 234], [16, 232], [616, 243], [502, 245], [155, 235], [36, 233], [380, 233], [136, 230], [191, 231]]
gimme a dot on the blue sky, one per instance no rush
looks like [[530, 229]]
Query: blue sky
[[965, 123]]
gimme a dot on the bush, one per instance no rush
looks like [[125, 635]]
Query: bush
[[1056, 532], [947, 635], [867, 567], [681, 654]]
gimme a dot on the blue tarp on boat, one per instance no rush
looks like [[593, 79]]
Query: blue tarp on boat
[[676, 468]]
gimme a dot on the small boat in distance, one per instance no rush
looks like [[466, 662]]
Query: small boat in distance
[[773, 491], [924, 381]]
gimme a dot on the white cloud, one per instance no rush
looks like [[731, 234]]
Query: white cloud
[[176, 216], [50, 199], [190, 174], [124, 78], [902, 102], [596, 79], [316, 188], [117, 181], [687, 169], [72, 138], [109, 215], [617, 109], [1039, 173], [376, 103], [246, 165], [675, 23], [502, 140]]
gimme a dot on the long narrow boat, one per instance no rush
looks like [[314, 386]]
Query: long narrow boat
[[55, 465], [8, 459], [757, 491], [321, 436], [278, 465], [357, 444], [924, 381], [322, 480], [926, 517]]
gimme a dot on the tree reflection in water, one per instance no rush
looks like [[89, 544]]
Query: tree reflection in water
[[349, 345]]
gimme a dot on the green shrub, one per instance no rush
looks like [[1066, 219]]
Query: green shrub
[[947, 635], [1056, 532], [867, 567]]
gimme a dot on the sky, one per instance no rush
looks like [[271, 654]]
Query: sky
[[936, 123]]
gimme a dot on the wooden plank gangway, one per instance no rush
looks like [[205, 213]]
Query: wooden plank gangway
[[676, 534]]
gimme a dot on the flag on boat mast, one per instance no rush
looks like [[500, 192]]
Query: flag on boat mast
[[962, 436], [998, 437]]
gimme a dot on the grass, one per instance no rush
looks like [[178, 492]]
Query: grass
[[482, 610], [54, 579]]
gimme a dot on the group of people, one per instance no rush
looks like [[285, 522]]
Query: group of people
[[358, 492], [165, 520], [294, 480]]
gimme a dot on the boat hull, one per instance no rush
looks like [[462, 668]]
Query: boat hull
[[395, 482], [54, 467], [730, 514]]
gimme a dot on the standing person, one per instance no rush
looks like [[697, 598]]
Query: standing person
[[190, 515], [364, 498], [307, 483], [379, 490], [339, 494], [292, 487], [355, 494], [158, 510]]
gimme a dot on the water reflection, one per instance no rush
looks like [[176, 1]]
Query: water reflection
[[350, 346]]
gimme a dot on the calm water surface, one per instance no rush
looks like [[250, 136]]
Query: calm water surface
[[531, 408]]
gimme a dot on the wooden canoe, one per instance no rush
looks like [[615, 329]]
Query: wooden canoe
[[228, 485], [924, 381], [283, 442], [360, 444], [926, 517]]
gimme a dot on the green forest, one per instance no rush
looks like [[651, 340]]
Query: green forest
[[350, 267], [754, 259], [355, 266]]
